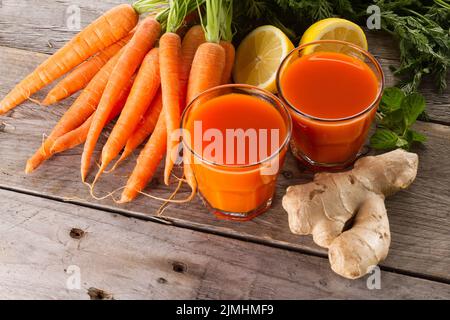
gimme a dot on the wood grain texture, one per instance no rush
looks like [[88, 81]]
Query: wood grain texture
[[385, 49], [45, 25], [41, 26], [420, 216], [123, 258]]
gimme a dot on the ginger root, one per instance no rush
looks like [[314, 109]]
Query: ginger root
[[323, 207]]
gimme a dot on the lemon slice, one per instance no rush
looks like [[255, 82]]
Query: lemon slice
[[259, 55], [333, 29]]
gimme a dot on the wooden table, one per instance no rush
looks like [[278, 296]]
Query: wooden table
[[50, 226]]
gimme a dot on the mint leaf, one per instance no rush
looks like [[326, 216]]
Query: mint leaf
[[394, 121], [413, 105], [414, 136], [385, 139], [402, 143], [397, 113], [391, 100]]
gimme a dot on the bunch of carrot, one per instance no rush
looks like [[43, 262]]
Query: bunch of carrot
[[122, 74]]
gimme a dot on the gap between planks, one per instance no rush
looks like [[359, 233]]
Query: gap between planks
[[201, 229]]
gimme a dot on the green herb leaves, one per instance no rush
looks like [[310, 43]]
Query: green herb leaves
[[424, 46], [386, 139], [397, 113], [420, 27]]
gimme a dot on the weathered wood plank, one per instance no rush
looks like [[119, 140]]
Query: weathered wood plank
[[385, 49], [41, 26], [128, 258], [45, 25], [419, 216]]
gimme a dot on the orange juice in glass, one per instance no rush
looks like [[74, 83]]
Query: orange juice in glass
[[332, 89], [237, 137]]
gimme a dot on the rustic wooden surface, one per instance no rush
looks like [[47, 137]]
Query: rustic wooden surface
[[419, 217], [127, 258]]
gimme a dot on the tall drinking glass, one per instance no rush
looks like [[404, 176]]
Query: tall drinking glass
[[237, 137], [332, 89]]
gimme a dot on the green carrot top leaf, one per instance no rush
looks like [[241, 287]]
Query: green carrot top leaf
[[226, 19], [178, 10], [211, 24], [148, 6]]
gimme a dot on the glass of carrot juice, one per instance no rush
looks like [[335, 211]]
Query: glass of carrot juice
[[332, 89], [237, 137]]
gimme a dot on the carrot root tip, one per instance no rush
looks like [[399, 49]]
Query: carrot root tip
[[36, 101]]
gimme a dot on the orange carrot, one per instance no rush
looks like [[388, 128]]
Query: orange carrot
[[78, 136], [230, 53], [81, 109], [84, 73], [103, 32], [142, 93], [134, 52], [191, 41], [206, 72], [154, 150], [170, 68], [144, 128], [207, 69], [147, 162]]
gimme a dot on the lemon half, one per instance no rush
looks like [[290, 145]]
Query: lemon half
[[333, 29], [259, 55]]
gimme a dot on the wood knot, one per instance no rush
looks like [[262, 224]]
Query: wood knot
[[179, 267], [162, 280], [323, 282], [98, 294], [2, 127], [76, 233]]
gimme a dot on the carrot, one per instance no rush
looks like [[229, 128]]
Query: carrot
[[142, 93], [84, 73], [207, 69], [170, 69], [191, 41], [81, 109], [230, 54], [134, 52], [103, 32], [194, 37], [172, 77], [144, 129], [209, 61], [147, 162], [154, 150], [78, 136]]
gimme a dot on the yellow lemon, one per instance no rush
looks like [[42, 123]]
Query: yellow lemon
[[259, 55], [333, 29]]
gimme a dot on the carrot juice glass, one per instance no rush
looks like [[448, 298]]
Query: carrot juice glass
[[332, 89], [236, 137]]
